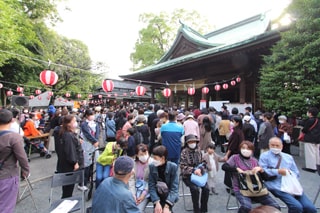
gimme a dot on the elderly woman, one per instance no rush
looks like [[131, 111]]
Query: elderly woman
[[239, 163], [163, 181], [191, 157]]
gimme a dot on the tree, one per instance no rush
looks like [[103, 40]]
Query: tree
[[160, 31], [290, 80]]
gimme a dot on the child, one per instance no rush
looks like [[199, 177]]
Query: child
[[212, 159]]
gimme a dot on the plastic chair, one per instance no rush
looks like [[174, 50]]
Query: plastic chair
[[63, 179]]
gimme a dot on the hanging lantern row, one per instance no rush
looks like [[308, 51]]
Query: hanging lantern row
[[21, 94], [48, 77], [191, 91], [38, 92]]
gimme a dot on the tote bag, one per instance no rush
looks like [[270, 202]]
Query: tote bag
[[251, 184], [290, 184]]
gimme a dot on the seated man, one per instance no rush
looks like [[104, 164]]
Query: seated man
[[275, 163]]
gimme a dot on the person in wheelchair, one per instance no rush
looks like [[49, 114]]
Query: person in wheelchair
[[191, 157], [239, 164]]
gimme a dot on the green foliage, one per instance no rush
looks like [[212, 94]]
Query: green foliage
[[159, 33], [290, 79]]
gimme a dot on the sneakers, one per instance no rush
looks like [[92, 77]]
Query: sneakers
[[82, 188]]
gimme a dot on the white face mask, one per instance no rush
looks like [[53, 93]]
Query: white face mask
[[246, 153], [156, 163], [143, 158], [281, 121], [192, 145], [275, 150]]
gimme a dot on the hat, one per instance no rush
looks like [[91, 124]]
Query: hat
[[97, 108], [282, 117], [123, 165], [159, 112], [246, 118], [191, 138], [141, 118], [190, 116], [180, 116]]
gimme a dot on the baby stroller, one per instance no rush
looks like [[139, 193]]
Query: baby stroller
[[35, 146]]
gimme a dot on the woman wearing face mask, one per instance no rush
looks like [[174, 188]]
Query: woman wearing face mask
[[138, 183], [191, 157], [238, 164], [69, 150], [167, 173]]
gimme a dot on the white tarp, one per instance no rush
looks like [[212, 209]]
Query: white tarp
[[44, 100]]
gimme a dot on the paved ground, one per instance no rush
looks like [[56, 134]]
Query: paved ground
[[42, 169]]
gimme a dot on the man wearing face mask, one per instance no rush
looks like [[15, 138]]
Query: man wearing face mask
[[276, 163], [113, 195]]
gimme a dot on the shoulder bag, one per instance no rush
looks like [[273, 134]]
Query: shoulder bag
[[199, 180], [251, 184], [301, 136]]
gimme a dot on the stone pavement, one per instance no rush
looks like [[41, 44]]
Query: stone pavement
[[42, 169]]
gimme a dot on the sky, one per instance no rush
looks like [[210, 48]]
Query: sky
[[111, 28]]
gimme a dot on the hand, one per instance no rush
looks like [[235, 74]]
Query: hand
[[158, 208], [96, 144], [75, 167], [225, 158], [166, 210], [140, 199], [239, 170], [257, 169], [81, 141], [197, 172], [282, 172]]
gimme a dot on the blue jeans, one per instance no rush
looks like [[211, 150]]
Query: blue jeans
[[102, 172], [296, 204]]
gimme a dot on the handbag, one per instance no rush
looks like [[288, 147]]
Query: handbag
[[286, 137], [251, 184], [199, 180], [290, 184], [162, 189], [301, 135]]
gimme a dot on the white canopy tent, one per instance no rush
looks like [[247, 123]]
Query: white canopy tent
[[44, 100]]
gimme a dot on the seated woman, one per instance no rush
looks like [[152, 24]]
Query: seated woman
[[138, 183], [111, 152], [239, 163], [191, 157], [163, 181]]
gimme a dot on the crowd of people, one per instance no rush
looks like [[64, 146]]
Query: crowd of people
[[146, 149]]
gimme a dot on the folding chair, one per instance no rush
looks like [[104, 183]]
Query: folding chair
[[63, 179], [23, 196], [184, 194]]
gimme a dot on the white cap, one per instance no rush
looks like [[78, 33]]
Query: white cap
[[246, 118]]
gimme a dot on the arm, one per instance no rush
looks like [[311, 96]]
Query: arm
[[267, 168], [184, 167], [86, 132], [173, 195], [21, 156]]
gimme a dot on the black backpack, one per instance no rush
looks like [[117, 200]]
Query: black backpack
[[138, 137]]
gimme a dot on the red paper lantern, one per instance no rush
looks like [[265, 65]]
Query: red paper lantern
[[233, 83], [1, 85], [31, 97], [20, 89], [68, 95], [78, 95], [131, 93], [50, 93], [166, 92], [21, 94], [48, 77], [107, 85], [115, 94], [140, 90], [191, 91], [225, 86], [217, 87], [9, 93], [238, 79], [38, 92], [205, 90], [39, 98], [90, 96], [100, 96]]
